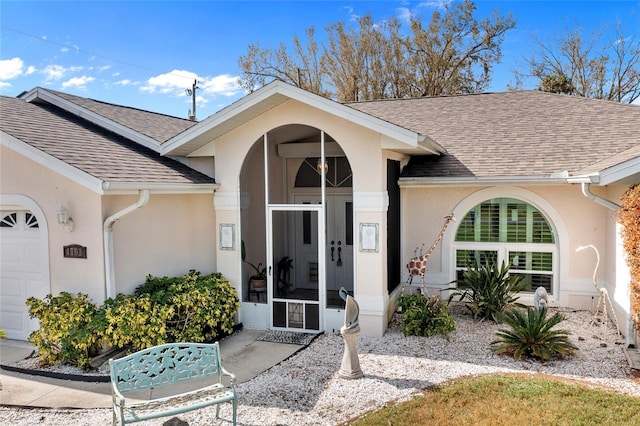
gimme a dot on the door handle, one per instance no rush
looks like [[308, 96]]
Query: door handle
[[339, 256], [332, 250]]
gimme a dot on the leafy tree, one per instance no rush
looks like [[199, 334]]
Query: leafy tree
[[595, 67], [629, 216], [454, 53], [557, 83], [301, 69]]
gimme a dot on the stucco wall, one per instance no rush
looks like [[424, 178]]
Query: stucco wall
[[48, 189], [362, 149], [576, 220], [169, 236]]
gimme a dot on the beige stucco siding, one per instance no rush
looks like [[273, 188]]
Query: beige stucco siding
[[362, 148], [169, 236], [576, 220], [48, 189], [353, 139]]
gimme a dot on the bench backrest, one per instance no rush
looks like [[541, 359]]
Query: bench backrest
[[165, 364]]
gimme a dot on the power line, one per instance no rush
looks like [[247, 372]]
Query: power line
[[77, 49]]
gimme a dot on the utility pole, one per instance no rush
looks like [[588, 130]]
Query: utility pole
[[192, 92]]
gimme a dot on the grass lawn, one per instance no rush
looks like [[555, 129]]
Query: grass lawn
[[509, 400]]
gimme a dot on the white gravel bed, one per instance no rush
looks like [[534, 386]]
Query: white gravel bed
[[306, 389]]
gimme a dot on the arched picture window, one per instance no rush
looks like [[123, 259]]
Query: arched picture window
[[510, 231]]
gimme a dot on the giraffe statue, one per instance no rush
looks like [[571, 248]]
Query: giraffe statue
[[418, 265]]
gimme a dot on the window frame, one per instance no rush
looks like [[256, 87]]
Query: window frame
[[503, 248]]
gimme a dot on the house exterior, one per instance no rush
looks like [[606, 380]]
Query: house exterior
[[326, 196]]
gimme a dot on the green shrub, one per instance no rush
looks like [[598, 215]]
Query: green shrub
[[204, 307], [192, 308], [423, 316], [3, 334], [488, 290], [136, 322], [531, 335], [71, 328]]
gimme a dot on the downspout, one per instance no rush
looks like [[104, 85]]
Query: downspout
[[615, 207], [608, 204], [109, 265]]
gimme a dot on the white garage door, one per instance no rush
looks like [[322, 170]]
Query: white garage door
[[21, 271]]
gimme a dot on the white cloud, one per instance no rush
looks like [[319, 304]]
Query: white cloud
[[225, 85], [78, 82], [10, 68], [201, 101], [435, 4], [404, 14], [125, 82], [30, 70], [57, 72], [176, 81]]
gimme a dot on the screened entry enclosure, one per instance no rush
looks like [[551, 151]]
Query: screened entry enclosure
[[300, 214]]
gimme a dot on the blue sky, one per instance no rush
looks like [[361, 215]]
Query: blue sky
[[145, 54]]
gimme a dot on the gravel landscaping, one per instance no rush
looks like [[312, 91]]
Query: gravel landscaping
[[306, 389]]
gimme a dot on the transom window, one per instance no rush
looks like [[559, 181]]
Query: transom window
[[510, 231], [337, 173]]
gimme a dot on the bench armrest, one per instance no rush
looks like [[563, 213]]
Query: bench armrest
[[230, 375], [118, 398]]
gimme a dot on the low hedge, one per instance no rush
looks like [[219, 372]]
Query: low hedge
[[191, 308]]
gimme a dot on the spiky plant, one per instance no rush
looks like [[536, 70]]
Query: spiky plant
[[531, 335], [488, 290]]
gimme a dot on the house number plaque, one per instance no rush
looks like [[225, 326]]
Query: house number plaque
[[75, 251]]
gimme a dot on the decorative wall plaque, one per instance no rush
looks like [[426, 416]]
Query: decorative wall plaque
[[369, 237], [75, 251], [227, 236]]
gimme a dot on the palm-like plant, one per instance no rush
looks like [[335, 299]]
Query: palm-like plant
[[488, 290], [531, 335]]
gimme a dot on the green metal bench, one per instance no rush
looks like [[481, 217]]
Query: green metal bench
[[164, 368]]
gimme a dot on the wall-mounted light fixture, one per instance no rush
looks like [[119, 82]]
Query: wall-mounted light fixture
[[64, 219], [319, 166]]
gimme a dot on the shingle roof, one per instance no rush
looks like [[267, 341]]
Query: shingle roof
[[157, 126], [102, 154], [527, 133]]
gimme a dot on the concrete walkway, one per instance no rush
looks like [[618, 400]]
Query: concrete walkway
[[242, 354]]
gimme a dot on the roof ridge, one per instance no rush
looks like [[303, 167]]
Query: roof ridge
[[57, 92], [506, 92]]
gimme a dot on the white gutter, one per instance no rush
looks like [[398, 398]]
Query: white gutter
[[587, 193], [128, 188], [109, 265], [421, 182]]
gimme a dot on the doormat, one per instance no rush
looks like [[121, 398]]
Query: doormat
[[290, 337]]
